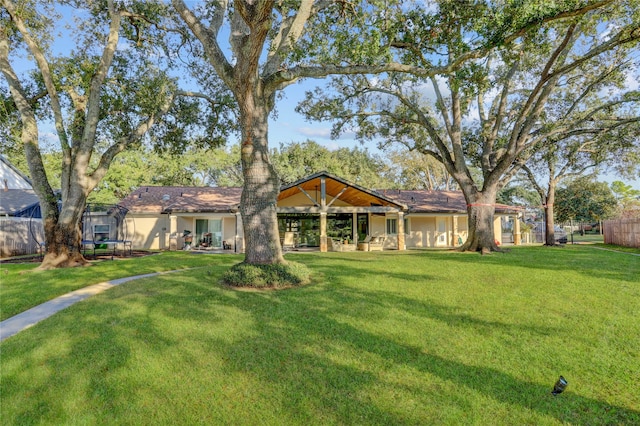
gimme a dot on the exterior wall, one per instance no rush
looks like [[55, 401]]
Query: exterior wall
[[147, 232], [229, 233], [152, 232], [463, 230], [164, 232], [12, 178], [377, 226], [422, 231]]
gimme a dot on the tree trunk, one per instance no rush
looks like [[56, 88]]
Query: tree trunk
[[63, 249], [481, 212], [549, 229], [63, 235], [261, 186]]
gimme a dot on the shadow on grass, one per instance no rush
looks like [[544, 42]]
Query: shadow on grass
[[295, 341], [336, 383], [583, 260]]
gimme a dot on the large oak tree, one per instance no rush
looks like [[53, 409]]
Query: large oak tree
[[103, 96], [488, 71], [274, 44]]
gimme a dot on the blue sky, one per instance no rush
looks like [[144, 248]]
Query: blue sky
[[288, 126]]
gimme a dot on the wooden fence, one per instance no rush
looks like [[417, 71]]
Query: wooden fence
[[622, 232], [20, 236]]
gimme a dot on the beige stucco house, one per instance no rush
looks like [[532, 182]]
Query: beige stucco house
[[321, 211]]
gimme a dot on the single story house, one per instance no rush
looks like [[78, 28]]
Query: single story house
[[21, 230], [320, 211]]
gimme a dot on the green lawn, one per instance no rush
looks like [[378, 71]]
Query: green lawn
[[586, 238], [386, 338], [21, 287]]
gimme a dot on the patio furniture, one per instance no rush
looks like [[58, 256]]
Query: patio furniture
[[371, 244], [340, 246]]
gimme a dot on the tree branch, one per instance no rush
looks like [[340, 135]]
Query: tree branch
[[208, 39], [45, 71]]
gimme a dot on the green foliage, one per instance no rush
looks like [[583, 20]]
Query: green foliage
[[295, 161], [624, 192], [585, 200], [628, 199], [277, 275], [144, 166], [412, 170], [518, 195]]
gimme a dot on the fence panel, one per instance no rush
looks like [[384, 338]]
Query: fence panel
[[622, 232], [20, 236]]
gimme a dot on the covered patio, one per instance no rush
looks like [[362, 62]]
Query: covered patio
[[324, 210]]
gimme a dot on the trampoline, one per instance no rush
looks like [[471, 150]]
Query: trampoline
[[105, 227]]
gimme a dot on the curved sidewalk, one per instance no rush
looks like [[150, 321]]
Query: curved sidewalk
[[28, 318]]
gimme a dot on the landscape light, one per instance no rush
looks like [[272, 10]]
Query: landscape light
[[559, 386]]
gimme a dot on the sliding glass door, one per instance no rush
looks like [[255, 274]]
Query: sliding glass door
[[209, 232]]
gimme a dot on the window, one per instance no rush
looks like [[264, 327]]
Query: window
[[101, 232], [392, 226], [406, 226]]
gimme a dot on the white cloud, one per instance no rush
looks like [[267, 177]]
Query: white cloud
[[315, 132]]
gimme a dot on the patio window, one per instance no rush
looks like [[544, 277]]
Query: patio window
[[406, 226], [392, 226], [101, 232]]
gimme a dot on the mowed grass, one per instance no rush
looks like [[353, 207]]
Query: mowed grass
[[377, 338], [23, 287]]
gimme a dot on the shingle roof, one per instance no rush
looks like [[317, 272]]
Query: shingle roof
[[164, 199], [423, 201], [159, 199], [14, 201]]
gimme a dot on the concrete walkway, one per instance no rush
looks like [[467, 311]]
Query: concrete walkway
[[28, 318]]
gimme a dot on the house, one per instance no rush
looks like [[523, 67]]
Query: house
[[321, 210], [21, 229]]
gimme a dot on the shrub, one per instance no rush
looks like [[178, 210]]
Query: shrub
[[279, 275]]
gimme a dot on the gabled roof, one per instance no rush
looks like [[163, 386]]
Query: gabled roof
[[166, 199], [348, 192], [11, 177], [188, 199], [15, 202]]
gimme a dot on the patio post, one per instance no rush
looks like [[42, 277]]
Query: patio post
[[323, 232], [401, 243], [516, 231], [173, 232], [454, 237]]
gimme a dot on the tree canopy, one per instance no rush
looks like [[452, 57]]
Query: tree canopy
[[105, 95], [479, 86], [585, 200], [480, 82]]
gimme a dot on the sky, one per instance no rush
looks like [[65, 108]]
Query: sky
[[288, 126]]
